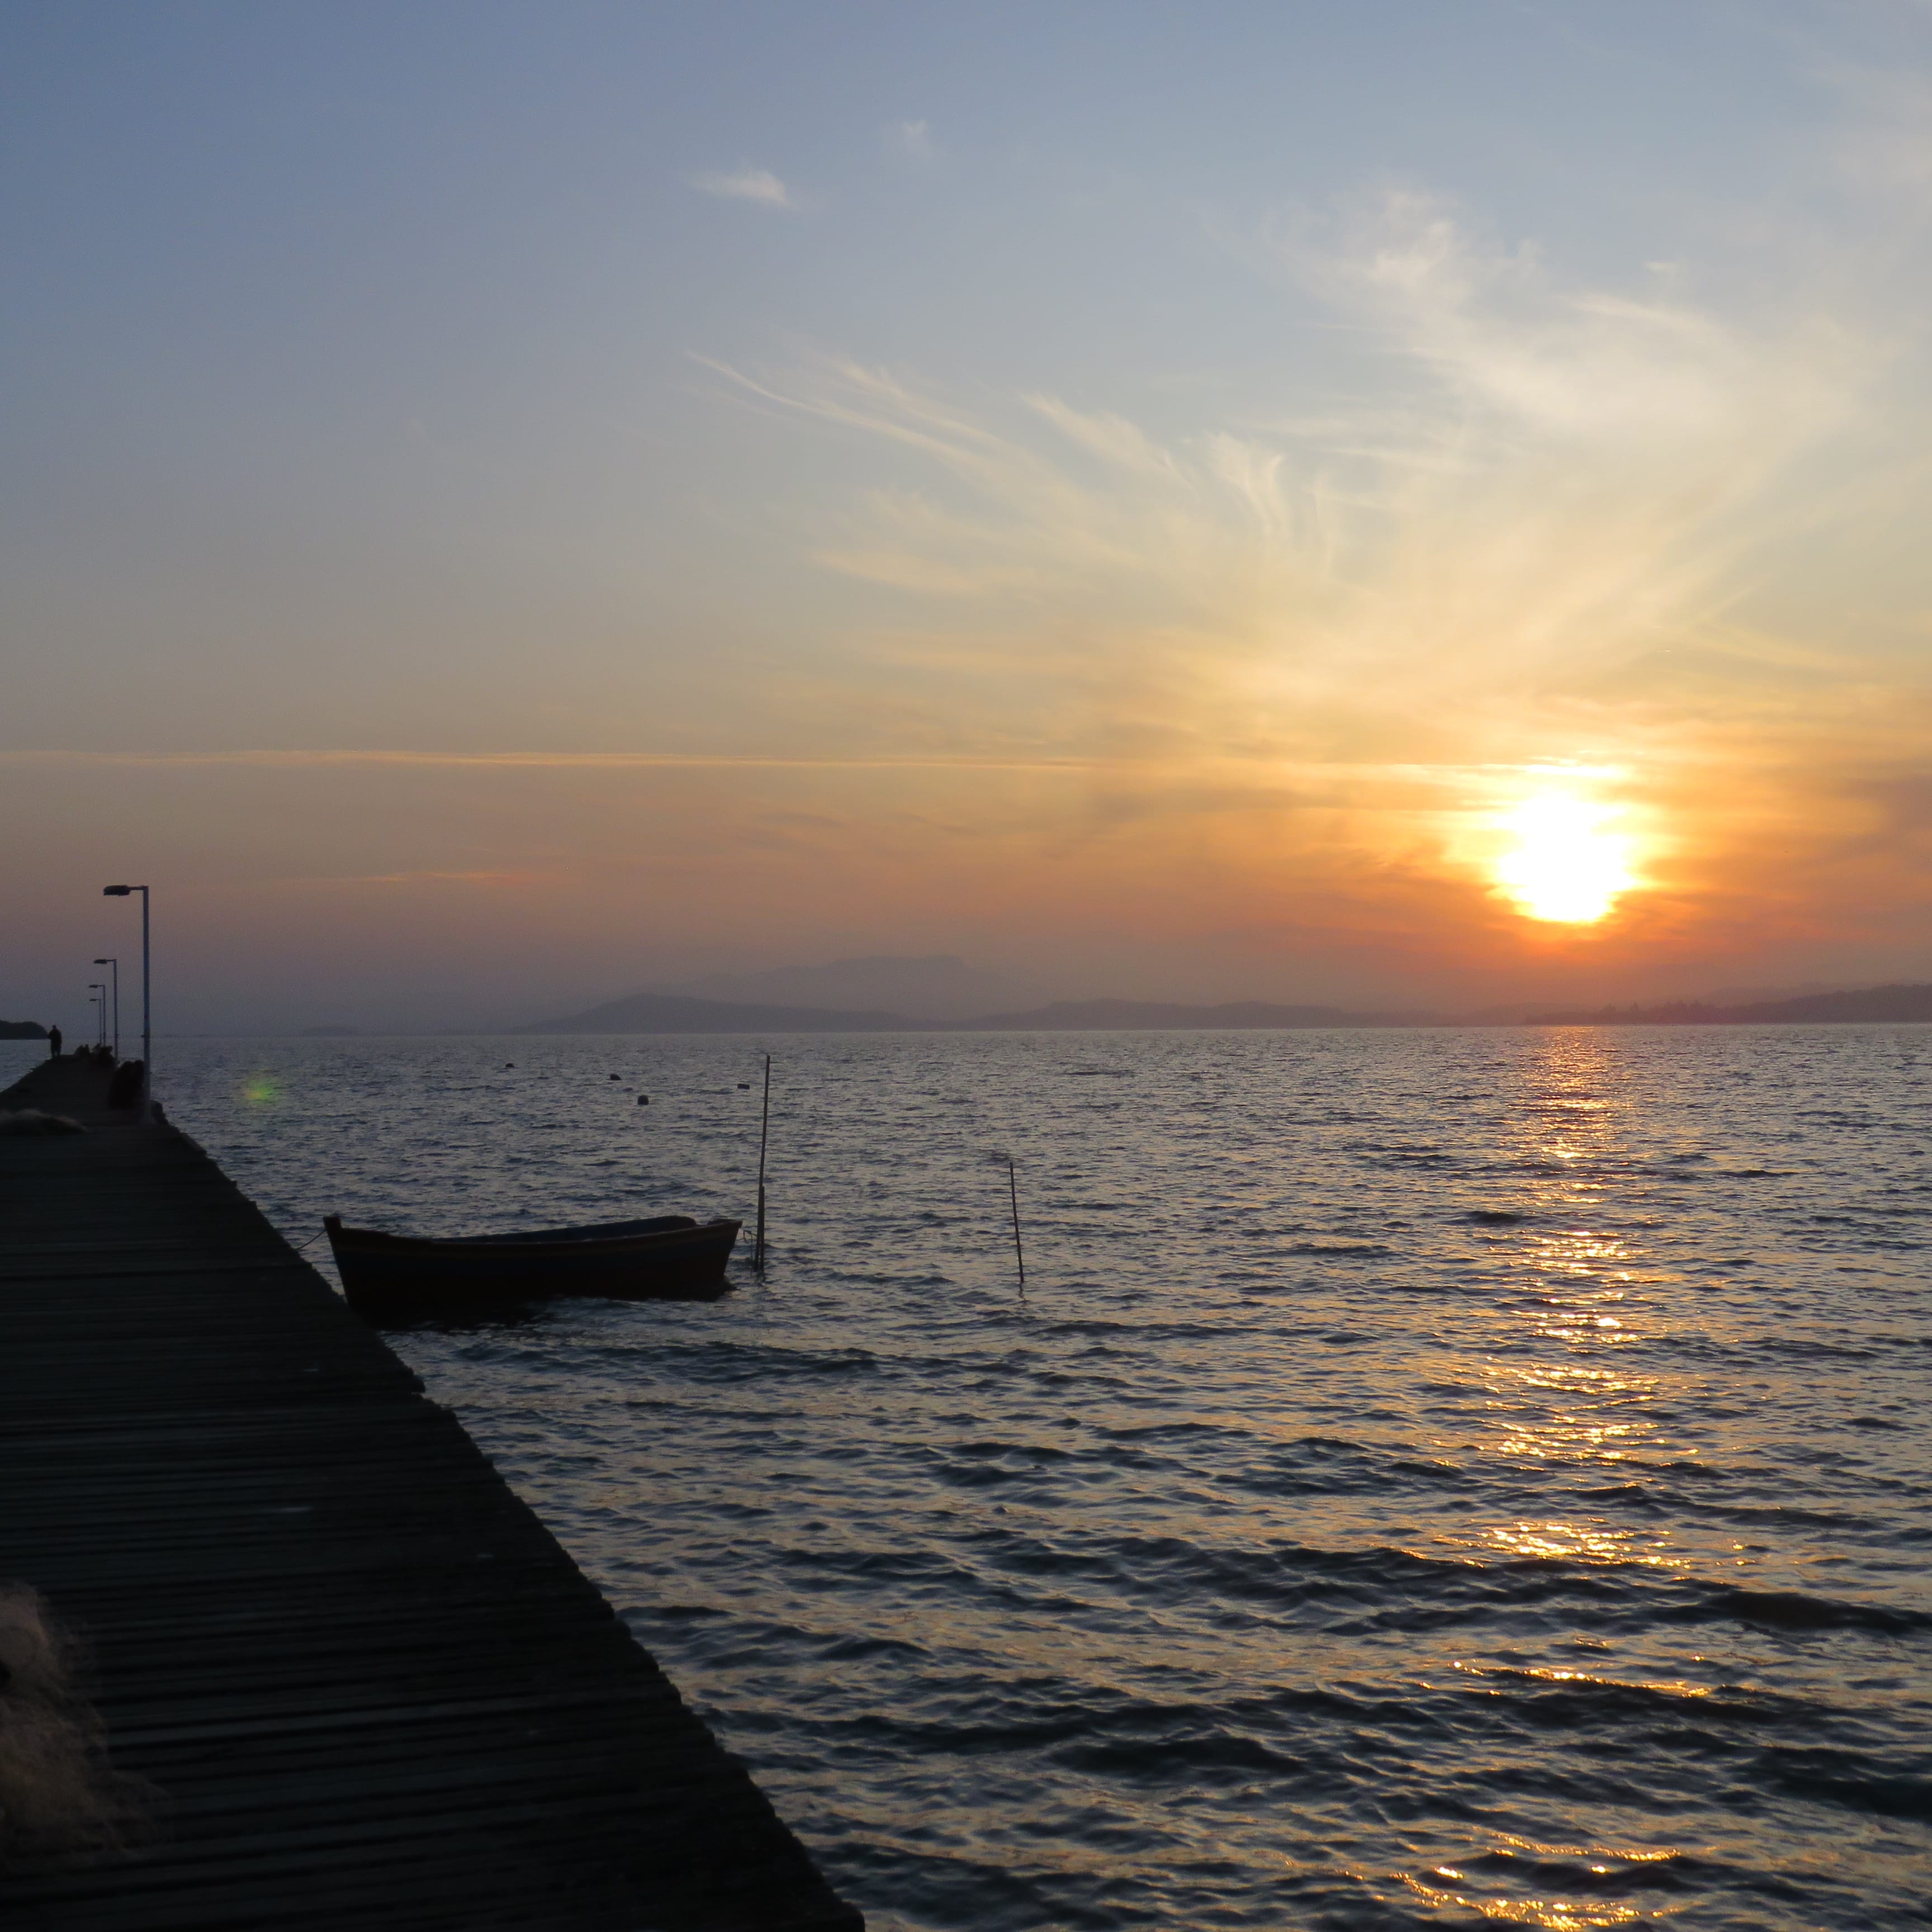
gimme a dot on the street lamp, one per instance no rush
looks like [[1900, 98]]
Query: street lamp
[[116, 976], [147, 1010], [99, 986]]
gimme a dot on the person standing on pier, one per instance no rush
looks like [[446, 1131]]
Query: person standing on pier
[[53, 1042]]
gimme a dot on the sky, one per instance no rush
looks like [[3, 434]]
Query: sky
[[1415, 503]]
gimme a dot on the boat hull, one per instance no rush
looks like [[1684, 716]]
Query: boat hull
[[395, 1277]]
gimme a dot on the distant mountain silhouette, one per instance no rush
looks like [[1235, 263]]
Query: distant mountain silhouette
[[672, 1012], [1879, 1004], [21, 1029], [1094, 1015], [938, 986]]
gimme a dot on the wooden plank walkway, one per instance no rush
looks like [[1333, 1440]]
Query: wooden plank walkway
[[369, 1687]]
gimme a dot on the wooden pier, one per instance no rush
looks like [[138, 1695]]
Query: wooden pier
[[367, 1687]]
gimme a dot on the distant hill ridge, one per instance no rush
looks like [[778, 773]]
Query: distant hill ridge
[[1900, 1002], [675, 1013], [933, 986], [1093, 1015]]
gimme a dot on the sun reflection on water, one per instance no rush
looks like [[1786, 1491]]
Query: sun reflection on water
[[1571, 1411], [1554, 1914], [1579, 1543], [1558, 1382], [1557, 1914]]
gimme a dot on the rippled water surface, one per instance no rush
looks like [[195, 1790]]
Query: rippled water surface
[[1430, 1479]]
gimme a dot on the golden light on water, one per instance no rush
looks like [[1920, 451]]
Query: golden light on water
[[1568, 863], [1550, 1915]]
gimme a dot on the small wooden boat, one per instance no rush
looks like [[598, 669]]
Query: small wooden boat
[[390, 1276]]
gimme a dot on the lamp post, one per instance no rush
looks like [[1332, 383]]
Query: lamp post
[[97, 998], [116, 976], [147, 1009]]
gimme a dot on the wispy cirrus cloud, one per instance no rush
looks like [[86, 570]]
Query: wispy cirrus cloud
[[1578, 480], [910, 141], [745, 183], [1513, 344], [1547, 542]]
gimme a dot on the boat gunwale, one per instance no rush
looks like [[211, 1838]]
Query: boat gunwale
[[375, 1241]]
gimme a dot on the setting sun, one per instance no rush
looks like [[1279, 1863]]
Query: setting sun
[[1565, 864]]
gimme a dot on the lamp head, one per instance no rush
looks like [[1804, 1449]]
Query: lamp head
[[115, 892]]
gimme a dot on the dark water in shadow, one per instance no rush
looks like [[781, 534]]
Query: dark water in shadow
[[1434, 1479]]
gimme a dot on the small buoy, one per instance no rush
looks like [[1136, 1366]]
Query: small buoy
[[744, 1086], [507, 1064], [643, 1100], [616, 1076]]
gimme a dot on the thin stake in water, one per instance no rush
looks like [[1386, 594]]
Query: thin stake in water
[[1013, 1195], [764, 1134]]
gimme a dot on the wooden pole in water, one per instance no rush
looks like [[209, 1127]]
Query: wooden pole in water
[[764, 1134], [1013, 1195]]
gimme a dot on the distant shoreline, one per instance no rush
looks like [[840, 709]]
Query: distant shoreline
[[914, 1029], [669, 1015], [673, 1013]]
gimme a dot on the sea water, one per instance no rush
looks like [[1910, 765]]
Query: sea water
[[1429, 1478]]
